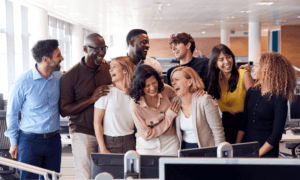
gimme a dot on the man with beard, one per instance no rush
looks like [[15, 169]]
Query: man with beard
[[81, 87], [183, 46], [138, 43], [36, 140]]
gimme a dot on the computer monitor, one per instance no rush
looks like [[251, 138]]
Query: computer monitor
[[294, 109], [114, 164], [228, 168], [249, 149]]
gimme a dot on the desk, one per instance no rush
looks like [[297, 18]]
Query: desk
[[289, 136]]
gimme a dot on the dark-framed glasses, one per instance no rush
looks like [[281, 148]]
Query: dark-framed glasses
[[98, 49]]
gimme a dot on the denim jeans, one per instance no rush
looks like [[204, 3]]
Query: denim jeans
[[39, 151]]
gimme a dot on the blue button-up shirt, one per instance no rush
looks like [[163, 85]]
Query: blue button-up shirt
[[37, 98]]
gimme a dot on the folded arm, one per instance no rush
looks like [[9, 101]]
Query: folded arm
[[146, 132]]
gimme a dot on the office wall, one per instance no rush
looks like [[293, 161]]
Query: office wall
[[238, 45], [290, 44]]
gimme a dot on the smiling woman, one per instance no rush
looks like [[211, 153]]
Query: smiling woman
[[198, 123], [228, 85], [113, 122], [153, 113]]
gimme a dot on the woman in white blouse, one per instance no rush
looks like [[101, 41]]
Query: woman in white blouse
[[198, 123], [113, 123]]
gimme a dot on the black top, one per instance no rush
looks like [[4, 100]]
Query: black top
[[200, 65], [264, 119]]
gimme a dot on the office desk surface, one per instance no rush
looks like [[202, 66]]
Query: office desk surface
[[289, 136]]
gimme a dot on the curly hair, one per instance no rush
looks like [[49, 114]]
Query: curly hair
[[277, 75], [190, 73], [213, 73], [137, 85], [127, 64], [184, 38]]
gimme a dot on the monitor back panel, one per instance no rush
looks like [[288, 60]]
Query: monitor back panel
[[114, 164]]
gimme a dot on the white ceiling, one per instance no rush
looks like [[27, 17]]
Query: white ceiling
[[164, 17]]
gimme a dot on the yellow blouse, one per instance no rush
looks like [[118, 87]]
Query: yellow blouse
[[233, 102]]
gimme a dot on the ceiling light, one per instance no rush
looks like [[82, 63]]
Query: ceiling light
[[227, 17], [242, 11], [203, 32], [209, 24], [264, 3], [248, 11], [232, 17], [298, 16]]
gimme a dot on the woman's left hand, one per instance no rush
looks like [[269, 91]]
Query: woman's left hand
[[200, 93]]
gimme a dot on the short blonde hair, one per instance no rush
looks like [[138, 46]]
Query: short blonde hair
[[190, 73], [126, 63]]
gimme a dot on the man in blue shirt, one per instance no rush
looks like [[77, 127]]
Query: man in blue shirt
[[36, 139]]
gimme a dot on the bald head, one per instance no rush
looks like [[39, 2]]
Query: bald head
[[89, 39]]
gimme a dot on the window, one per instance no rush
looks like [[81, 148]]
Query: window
[[61, 31], [3, 51]]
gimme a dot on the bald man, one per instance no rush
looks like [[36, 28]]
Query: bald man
[[81, 87]]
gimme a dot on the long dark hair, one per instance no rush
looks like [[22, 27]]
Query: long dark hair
[[137, 84], [214, 72]]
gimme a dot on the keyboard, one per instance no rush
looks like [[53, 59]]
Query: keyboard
[[296, 131]]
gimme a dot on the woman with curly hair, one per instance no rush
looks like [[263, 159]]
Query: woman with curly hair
[[153, 113], [228, 85], [266, 103], [113, 123]]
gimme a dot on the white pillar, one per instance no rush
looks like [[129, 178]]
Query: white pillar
[[10, 43], [225, 37], [25, 38], [77, 43], [254, 46], [38, 24]]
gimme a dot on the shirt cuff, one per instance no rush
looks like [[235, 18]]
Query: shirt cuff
[[13, 141], [170, 114]]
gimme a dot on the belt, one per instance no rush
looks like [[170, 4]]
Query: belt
[[45, 135]]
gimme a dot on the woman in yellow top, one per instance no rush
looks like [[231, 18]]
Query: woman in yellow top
[[228, 85]]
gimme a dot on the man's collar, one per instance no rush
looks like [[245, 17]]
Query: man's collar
[[140, 62], [37, 75], [82, 64]]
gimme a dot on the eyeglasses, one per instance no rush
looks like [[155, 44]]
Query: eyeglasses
[[98, 49]]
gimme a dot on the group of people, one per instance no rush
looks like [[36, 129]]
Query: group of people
[[126, 105]]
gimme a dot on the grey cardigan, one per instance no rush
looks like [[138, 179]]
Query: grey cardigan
[[207, 123]]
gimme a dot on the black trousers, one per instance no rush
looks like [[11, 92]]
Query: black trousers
[[231, 124]]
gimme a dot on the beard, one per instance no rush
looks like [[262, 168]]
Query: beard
[[140, 53], [53, 66]]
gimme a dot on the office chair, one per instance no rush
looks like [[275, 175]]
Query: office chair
[[6, 173]]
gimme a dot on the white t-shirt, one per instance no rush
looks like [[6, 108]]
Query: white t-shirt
[[186, 125], [117, 119]]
